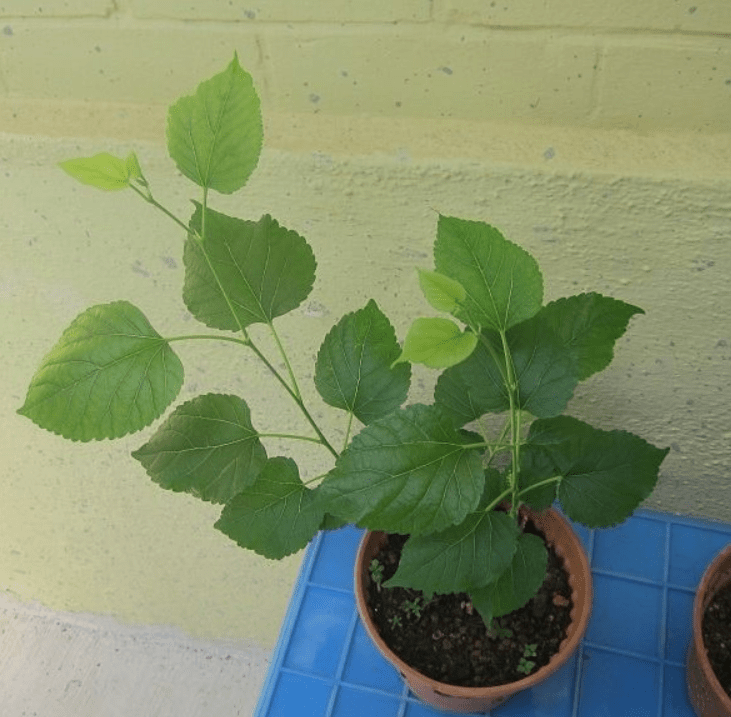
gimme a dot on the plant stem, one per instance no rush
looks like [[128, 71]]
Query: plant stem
[[284, 356], [292, 437], [554, 479], [512, 387], [151, 200]]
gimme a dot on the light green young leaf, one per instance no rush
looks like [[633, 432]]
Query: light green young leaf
[[244, 272], [517, 584], [109, 374], [103, 171], [410, 472], [206, 447], [589, 325], [437, 343], [353, 369], [503, 283], [276, 516], [461, 558], [605, 474], [443, 293], [132, 164], [215, 135]]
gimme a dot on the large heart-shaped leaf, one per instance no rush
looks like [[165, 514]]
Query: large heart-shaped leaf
[[410, 472], [460, 558], [276, 516], [518, 583], [589, 325], [605, 474], [503, 283], [353, 369], [244, 272], [206, 447], [215, 135], [109, 374]]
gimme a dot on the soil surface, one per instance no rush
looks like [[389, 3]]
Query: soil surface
[[717, 636], [446, 639]]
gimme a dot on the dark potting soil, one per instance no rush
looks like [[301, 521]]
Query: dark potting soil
[[446, 639], [717, 636]]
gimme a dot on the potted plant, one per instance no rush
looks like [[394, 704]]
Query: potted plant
[[475, 506], [708, 672]]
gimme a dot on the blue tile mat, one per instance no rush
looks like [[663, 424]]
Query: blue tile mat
[[631, 662]]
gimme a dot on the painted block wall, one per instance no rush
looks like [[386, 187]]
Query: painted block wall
[[645, 66], [594, 134]]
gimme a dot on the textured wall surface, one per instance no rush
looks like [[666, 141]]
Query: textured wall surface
[[640, 65], [597, 139]]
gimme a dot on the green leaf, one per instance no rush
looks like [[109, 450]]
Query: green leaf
[[215, 135], [443, 293], [109, 374], [276, 516], [103, 171], [476, 386], [353, 369], [244, 272], [503, 282], [206, 447], [517, 584], [437, 343], [589, 325], [606, 474], [132, 164], [460, 558], [410, 472], [545, 371], [536, 466]]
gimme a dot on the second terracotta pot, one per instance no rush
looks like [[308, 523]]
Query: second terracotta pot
[[706, 695], [567, 545]]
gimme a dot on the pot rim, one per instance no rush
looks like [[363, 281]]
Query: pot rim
[[575, 631], [704, 594]]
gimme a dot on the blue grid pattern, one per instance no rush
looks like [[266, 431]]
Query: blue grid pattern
[[631, 661]]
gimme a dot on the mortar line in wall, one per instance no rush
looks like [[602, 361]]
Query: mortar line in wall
[[385, 26]]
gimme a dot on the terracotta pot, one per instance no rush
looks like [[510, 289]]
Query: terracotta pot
[[706, 695], [452, 698]]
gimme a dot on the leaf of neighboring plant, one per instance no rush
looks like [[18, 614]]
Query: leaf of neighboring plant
[[443, 293], [517, 584], [109, 374], [437, 343], [103, 171], [589, 324], [244, 272], [536, 466], [606, 474], [503, 283], [460, 558], [353, 369], [410, 472], [215, 135], [545, 371], [206, 447], [276, 516]]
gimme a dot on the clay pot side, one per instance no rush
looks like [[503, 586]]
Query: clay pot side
[[706, 695], [452, 698]]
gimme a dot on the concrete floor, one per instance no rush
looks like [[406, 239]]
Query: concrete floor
[[56, 664]]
